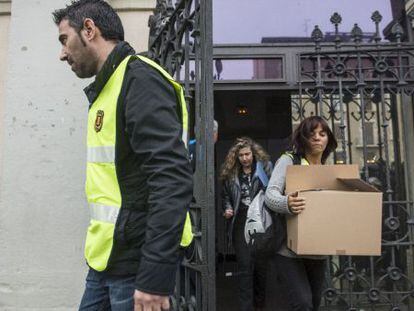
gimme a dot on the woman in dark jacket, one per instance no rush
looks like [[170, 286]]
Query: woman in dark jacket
[[241, 183], [302, 276]]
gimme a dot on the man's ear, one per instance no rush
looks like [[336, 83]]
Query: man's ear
[[90, 30]]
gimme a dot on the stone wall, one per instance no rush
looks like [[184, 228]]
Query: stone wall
[[43, 210]]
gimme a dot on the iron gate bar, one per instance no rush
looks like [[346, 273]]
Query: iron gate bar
[[179, 33], [205, 132], [336, 19], [356, 33], [385, 47]]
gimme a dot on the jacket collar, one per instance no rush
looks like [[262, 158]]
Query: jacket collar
[[121, 50], [254, 175]]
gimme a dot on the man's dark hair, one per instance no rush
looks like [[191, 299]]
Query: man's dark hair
[[102, 14], [301, 136]]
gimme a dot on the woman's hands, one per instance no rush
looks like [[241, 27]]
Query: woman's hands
[[296, 204], [228, 213]]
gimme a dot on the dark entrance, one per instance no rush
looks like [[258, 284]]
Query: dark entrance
[[362, 85], [265, 116], [261, 114]]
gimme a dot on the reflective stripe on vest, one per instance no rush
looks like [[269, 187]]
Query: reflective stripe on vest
[[104, 213], [102, 187], [101, 154]]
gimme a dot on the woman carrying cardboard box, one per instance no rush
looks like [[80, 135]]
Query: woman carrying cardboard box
[[302, 276]]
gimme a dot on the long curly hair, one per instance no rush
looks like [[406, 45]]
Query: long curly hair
[[231, 166]]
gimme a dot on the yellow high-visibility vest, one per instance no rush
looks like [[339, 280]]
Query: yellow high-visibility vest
[[303, 161], [102, 187]]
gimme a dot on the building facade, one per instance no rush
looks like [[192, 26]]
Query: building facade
[[43, 113]]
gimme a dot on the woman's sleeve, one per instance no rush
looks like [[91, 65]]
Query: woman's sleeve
[[275, 198], [226, 197]]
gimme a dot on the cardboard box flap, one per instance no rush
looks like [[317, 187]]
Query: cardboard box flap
[[356, 184], [308, 177]]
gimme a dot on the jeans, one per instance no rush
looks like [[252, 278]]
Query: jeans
[[302, 279], [251, 269], [105, 292]]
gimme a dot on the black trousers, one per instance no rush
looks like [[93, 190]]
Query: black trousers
[[302, 279], [251, 269]]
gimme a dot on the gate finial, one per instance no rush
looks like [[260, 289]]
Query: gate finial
[[397, 31], [356, 33], [376, 17], [317, 37], [317, 34], [336, 19]]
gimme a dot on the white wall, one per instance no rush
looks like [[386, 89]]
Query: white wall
[[135, 15], [4, 40], [43, 214], [136, 29]]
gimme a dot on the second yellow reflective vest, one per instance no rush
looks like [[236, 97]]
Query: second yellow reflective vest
[[102, 187]]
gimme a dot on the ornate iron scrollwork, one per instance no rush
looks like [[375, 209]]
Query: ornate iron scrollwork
[[359, 86], [374, 294], [178, 42], [330, 294]]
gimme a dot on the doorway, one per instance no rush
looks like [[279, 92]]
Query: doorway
[[264, 116]]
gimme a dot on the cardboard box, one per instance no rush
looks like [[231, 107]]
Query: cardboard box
[[342, 216]]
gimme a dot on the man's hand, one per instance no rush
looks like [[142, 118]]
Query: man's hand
[[228, 213], [149, 302], [296, 204]]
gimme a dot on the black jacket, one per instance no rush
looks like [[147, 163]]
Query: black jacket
[[232, 193], [153, 172]]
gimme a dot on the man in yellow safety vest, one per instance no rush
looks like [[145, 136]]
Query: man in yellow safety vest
[[138, 177]]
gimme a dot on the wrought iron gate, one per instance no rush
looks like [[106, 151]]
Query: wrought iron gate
[[364, 90], [181, 41]]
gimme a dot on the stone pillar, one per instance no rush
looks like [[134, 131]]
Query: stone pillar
[[134, 15]]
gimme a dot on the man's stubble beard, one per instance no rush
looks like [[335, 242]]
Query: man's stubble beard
[[89, 64]]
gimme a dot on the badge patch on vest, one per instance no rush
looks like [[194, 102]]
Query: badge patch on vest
[[99, 120]]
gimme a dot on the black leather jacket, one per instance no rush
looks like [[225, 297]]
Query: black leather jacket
[[231, 193]]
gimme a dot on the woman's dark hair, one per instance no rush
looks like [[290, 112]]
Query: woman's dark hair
[[102, 14], [301, 137]]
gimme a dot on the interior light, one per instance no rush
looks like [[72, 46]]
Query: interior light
[[241, 110]]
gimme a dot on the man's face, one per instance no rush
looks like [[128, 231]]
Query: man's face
[[77, 51]]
